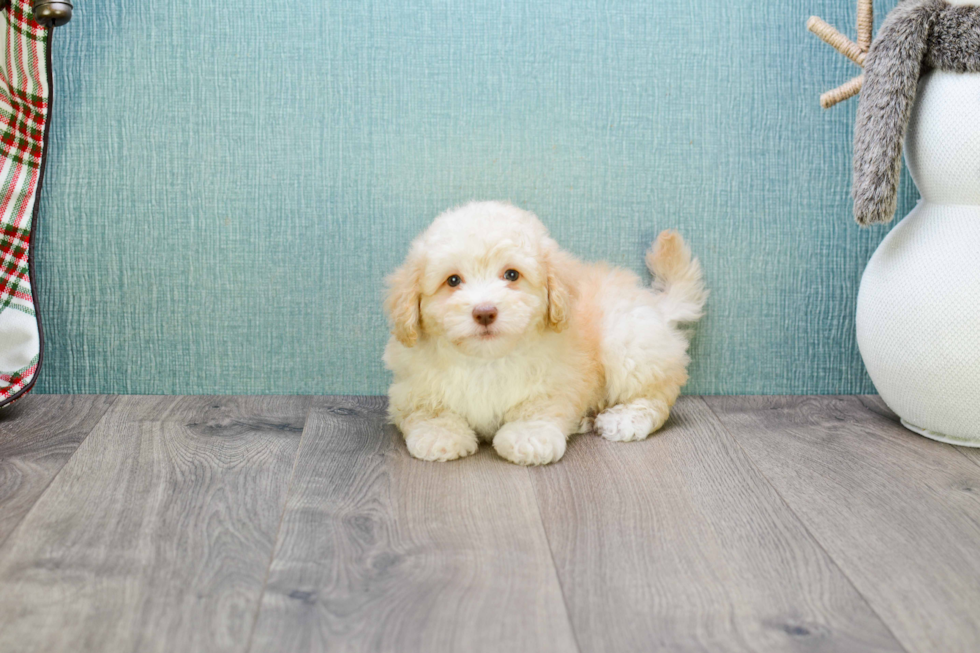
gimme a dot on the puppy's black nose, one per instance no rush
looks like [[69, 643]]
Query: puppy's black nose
[[485, 314]]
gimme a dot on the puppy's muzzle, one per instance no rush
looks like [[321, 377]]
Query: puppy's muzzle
[[485, 314]]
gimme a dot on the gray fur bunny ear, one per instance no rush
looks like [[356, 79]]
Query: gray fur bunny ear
[[891, 77]]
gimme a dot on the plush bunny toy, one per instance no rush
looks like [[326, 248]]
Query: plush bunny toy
[[918, 309], [918, 36]]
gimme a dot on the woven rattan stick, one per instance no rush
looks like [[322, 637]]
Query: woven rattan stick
[[856, 52], [841, 93], [866, 18], [836, 40]]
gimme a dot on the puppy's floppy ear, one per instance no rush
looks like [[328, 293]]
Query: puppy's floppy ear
[[560, 294], [403, 298]]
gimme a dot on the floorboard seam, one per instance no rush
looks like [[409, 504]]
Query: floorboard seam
[[554, 566], [803, 523], [975, 461], [275, 541], [112, 402], [960, 450]]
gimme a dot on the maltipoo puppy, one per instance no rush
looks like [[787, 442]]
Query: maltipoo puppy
[[499, 335]]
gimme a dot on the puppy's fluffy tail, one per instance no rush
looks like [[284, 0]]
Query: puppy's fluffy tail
[[677, 278]]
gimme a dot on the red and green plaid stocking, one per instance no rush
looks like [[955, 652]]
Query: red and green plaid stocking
[[24, 100]]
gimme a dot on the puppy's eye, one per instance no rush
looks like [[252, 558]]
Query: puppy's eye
[[454, 281], [512, 275]]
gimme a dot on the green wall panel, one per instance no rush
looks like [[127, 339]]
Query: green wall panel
[[228, 186]]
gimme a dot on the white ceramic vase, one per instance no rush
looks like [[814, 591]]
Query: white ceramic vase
[[918, 310]]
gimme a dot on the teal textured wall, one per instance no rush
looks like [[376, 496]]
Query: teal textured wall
[[227, 189]]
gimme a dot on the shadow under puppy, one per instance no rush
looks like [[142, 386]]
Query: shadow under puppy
[[499, 335]]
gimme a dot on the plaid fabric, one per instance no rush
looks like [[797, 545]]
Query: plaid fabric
[[24, 93]]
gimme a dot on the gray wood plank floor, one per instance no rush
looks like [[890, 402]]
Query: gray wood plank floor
[[380, 552], [37, 436], [691, 549], [900, 514], [157, 533], [301, 524]]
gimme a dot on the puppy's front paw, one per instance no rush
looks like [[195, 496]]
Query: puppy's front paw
[[440, 440], [632, 421], [530, 443]]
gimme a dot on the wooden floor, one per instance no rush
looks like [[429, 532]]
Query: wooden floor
[[181, 524]]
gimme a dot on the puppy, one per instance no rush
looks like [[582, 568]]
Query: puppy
[[498, 335]]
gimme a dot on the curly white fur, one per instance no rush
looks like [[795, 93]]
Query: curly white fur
[[570, 340]]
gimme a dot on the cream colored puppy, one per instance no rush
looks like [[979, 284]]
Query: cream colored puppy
[[498, 335]]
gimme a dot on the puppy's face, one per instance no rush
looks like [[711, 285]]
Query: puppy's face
[[481, 277], [483, 297]]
